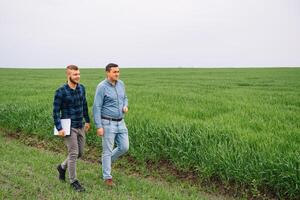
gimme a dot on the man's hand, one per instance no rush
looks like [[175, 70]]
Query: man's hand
[[61, 133], [125, 109], [100, 132], [87, 127]]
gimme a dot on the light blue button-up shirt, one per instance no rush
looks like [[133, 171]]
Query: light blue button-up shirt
[[109, 101]]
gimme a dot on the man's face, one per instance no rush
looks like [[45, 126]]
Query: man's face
[[113, 74], [74, 76]]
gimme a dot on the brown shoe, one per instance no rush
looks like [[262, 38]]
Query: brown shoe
[[109, 182]]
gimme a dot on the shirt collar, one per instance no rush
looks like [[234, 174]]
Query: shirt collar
[[68, 87], [110, 83]]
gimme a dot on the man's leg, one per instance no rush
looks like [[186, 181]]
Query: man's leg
[[64, 165], [81, 142], [107, 146], [72, 144], [62, 171], [122, 142]]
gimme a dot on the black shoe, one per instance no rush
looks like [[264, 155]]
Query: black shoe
[[77, 187], [62, 173]]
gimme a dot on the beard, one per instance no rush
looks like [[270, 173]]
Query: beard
[[73, 80]]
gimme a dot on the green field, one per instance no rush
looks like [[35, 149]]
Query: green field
[[30, 173], [240, 126]]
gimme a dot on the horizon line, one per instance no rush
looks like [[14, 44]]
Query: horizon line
[[148, 67]]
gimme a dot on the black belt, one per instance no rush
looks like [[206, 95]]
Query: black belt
[[112, 119]]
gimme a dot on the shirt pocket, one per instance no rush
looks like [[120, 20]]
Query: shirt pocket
[[68, 101], [121, 93], [110, 96]]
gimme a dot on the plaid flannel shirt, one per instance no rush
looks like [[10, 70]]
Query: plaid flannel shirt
[[70, 104]]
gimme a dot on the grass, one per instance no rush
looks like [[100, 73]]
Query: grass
[[239, 125], [30, 173]]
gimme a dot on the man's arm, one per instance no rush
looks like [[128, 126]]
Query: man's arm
[[98, 102], [125, 100], [85, 107], [56, 109], [87, 125]]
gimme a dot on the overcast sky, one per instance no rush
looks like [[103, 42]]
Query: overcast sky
[[158, 33]]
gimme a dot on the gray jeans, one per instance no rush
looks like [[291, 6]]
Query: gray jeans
[[75, 144]]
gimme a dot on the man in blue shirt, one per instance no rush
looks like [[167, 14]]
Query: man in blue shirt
[[110, 106], [70, 103]]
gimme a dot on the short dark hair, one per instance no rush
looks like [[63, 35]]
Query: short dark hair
[[72, 67], [109, 66]]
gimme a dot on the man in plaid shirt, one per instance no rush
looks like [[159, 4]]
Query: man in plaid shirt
[[70, 103]]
